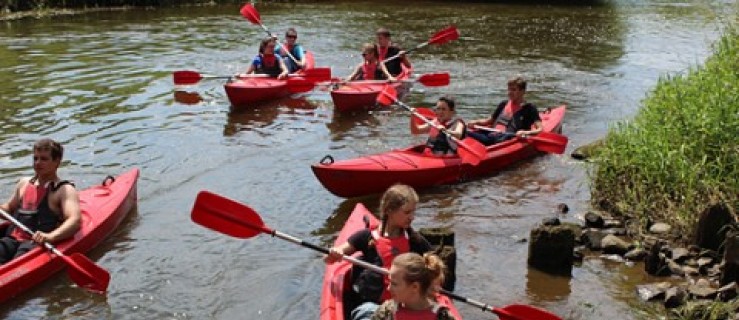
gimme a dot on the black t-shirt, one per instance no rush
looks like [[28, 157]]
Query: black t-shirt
[[393, 66], [522, 120]]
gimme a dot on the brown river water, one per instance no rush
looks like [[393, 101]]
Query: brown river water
[[101, 83]]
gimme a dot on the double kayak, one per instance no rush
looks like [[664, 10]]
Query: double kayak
[[251, 91], [361, 95], [412, 166], [337, 296], [103, 207]]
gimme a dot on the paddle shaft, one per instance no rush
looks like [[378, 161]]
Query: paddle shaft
[[27, 230], [407, 52], [279, 44]]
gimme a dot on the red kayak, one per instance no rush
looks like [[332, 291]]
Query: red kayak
[[103, 208], [246, 92], [337, 297], [375, 173], [362, 94]]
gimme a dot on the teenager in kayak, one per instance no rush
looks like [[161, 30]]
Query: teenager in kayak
[[267, 61], [387, 49], [371, 68], [440, 143], [413, 286], [380, 245], [295, 49], [47, 205], [512, 117]]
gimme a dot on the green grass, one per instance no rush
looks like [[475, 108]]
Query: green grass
[[681, 151], [706, 310]]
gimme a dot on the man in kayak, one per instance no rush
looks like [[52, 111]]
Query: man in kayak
[[380, 245], [295, 49], [512, 117], [267, 61], [371, 68], [44, 203], [440, 142], [386, 49]]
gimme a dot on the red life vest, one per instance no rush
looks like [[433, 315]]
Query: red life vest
[[387, 250], [382, 51], [506, 116], [407, 314], [34, 212], [369, 70]]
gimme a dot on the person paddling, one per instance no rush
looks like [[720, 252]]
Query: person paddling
[[295, 49], [380, 245], [512, 117], [387, 49], [413, 286], [44, 203], [439, 142], [371, 68], [267, 62]]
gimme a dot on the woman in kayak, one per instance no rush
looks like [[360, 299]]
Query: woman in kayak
[[512, 117], [413, 286], [267, 62], [440, 142], [380, 245], [372, 68], [296, 50]]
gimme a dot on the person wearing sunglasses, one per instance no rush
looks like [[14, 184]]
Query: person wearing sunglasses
[[371, 68], [267, 61], [294, 48]]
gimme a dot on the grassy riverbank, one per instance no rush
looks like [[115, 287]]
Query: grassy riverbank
[[681, 151], [18, 9]]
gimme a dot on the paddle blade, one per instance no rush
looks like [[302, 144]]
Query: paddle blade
[[250, 13], [86, 274], [524, 312], [387, 96], [444, 36], [186, 77], [434, 79], [226, 216], [417, 121], [299, 85], [471, 151], [317, 74], [549, 142]]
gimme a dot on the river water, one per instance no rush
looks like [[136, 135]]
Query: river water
[[101, 83]]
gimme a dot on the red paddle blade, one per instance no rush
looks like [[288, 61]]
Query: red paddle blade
[[444, 36], [387, 96], [434, 79], [250, 13], [317, 74], [524, 312], [416, 121], [226, 216], [299, 85], [471, 151], [86, 273], [186, 77], [549, 142]]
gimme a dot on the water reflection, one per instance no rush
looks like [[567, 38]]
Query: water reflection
[[264, 115], [187, 97], [543, 287]]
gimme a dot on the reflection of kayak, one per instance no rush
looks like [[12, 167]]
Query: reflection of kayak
[[246, 92], [337, 297], [362, 95], [103, 208], [375, 173]]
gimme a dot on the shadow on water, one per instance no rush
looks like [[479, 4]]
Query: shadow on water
[[263, 115]]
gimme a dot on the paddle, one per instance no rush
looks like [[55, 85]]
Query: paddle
[[443, 36], [82, 271], [227, 216], [249, 12], [470, 150], [429, 79], [186, 77], [549, 142]]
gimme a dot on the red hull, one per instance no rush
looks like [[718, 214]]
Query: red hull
[[249, 92], [375, 173], [362, 95], [103, 208], [336, 281]]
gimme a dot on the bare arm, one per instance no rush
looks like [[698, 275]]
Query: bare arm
[[284, 69], [14, 201], [335, 253], [387, 73], [535, 129], [355, 74], [457, 131]]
